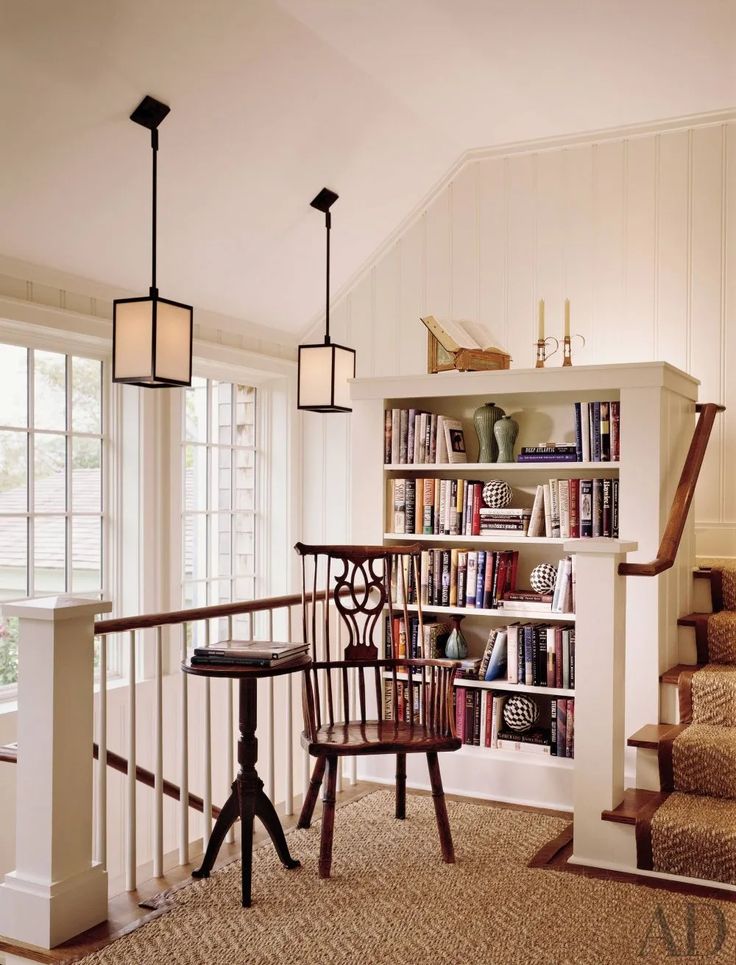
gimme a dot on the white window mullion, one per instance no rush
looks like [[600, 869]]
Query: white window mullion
[[30, 471], [69, 462]]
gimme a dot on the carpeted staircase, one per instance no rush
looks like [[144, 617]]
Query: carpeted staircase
[[689, 828]]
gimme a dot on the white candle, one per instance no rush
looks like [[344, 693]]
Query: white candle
[[541, 320], [567, 318]]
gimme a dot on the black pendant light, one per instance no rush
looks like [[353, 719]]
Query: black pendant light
[[324, 368], [152, 336]]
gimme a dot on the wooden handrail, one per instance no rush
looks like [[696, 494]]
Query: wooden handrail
[[9, 754], [683, 497], [147, 620]]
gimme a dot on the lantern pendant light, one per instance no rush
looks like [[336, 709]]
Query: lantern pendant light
[[324, 368], [152, 336]]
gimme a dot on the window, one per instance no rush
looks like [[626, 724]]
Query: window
[[219, 464], [51, 490]]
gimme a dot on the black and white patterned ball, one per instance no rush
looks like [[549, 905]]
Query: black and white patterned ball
[[543, 578], [520, 713], [497, 494]]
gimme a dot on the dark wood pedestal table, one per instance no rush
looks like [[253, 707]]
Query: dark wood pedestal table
[[247, 800]]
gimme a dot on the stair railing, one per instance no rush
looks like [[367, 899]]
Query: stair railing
[[70, 622], [683, 497]]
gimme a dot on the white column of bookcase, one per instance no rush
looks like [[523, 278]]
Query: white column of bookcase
[[600, 683]]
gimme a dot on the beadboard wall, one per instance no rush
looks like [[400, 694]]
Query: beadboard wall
[[636, 227]]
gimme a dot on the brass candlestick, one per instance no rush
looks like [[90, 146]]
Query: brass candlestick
[[567, 349], [542, 353]]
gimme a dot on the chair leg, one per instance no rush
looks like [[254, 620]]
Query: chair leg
[[440, 810], [328, 818], [310, 799], [401, 785]]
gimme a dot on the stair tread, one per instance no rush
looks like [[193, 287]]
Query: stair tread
[[672, 676], [692, 619], [634, 801], [650, 735], [701, 574]]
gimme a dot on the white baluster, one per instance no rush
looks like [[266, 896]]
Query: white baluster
[[184, 756], [207, 746], [271, 786], [130, 843], [289, 724], [229, 763], [353, 699], [158, 768], [101, 823], [338, 695]]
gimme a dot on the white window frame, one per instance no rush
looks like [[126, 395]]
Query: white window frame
[[71, 344], [278, 482]]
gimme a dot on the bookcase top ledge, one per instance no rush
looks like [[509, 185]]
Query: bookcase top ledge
[[578, 379]]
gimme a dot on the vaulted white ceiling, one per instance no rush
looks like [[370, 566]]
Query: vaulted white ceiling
[[272, 100]]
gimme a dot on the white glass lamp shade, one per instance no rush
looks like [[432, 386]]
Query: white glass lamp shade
[[324, 371], [152, 342]]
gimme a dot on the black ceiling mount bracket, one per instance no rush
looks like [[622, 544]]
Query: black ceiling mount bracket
[[150, 112], [324, 200]]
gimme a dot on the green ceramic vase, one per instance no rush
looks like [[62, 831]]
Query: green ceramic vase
[[484, 419], [506, 430]]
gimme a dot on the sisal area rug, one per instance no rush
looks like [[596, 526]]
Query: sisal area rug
[[392, 900]]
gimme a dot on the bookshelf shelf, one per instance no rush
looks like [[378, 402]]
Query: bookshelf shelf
[[492, 467], [502, 685], [517, 757], [504, 538], [503, 613]]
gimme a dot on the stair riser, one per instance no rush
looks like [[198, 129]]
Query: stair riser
[[647, 769], [702, 602], [686, 645], [669, 704]]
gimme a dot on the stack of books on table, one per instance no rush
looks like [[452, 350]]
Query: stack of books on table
[[253, 653]]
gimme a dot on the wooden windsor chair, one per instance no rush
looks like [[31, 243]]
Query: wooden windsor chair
[[358, 583]]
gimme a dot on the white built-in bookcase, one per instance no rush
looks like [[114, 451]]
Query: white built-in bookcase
[[657, 405]]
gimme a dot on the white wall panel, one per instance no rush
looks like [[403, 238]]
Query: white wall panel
[[637, 230]]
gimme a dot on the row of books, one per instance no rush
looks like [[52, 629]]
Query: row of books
[[575, 508], [414, 436], [465, 578], [483, 579], [450, 507], [533, 654], [479, 721], [597, 431]]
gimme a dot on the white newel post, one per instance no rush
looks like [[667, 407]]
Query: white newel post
[[600, 737], [56, 890]]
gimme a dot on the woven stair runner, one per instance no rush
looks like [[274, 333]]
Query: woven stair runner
[[693, 831]]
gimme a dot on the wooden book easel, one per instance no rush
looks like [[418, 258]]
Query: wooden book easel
[[458, 350]]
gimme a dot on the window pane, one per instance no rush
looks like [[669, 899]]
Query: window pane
[[221, 432], [220, 545], [195, 547], [195, 479], [245, 479], [221, 484], [195, 595], [14, 380], [49, 473], [49, 390], [8, 651], [49, 547], [87, 554], [86, 475], [195, 400], [13, 472], [243, 537], [245, 415], [86, 395], [13, 558]]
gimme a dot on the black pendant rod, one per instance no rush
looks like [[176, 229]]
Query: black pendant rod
[[154, 180], [328, 226]]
